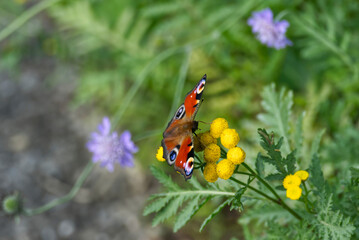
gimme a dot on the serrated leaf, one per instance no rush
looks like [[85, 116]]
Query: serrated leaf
[[214, 213], [290, 162], [278, 112], [169, 210], [316, 174], [298, 135], [156, 205], [188, 212], [274, 177], [164, 179], [332, 224]]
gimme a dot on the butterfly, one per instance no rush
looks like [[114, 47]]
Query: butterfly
[[177, 139]]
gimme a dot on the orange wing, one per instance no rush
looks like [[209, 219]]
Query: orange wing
[[177, 138]]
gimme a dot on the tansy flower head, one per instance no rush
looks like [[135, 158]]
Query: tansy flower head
[[109, 148], [225, 169], [236, 155], [197, 145], [303, 175], [212, 153], [210, 172], [294, 192], [291, 180], [206, 139], [217, 127], [159, 154], [229, 138]]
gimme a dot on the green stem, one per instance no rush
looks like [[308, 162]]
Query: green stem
[[23, 18], [81, 179], [243, 173], [255, 190], [279, 200]]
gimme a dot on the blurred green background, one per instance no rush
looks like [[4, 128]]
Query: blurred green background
[[134, 61]]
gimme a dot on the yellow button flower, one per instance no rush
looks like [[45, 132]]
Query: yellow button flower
[[225, 169], [206, 139], [236, 155], [294, 192], [303, 175], [291, 180], [212, 153], [159, 155], [197, 145], [210, 172], [217, 127], [229, 138]]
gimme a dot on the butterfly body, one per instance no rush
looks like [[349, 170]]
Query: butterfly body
[[177, 140]]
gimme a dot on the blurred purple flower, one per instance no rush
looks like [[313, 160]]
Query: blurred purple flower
[[267, 31], [109, 148]]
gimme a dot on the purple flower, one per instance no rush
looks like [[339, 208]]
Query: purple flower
[[267, 31], [109, 148]]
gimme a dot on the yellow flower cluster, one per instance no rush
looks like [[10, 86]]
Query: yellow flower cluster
[[212, 152], [292, 183]]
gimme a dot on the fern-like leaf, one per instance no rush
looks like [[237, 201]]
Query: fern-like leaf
[[164, 179], [284, 166], [189, 211], [332, 224], [214, 213], [278, 112]]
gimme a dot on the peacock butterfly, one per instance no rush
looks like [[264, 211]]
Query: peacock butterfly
[[177, 140]]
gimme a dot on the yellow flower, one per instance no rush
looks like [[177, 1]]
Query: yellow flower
[[217, 127], [159, 155], [294, 192], [229, 138], [303, 175], [197, 145], [225, 169], [206, 139], [236, 155], [212, 153], [291, 180], [210, 172]]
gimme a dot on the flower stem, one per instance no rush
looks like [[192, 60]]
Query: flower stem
[[23, 18], [279, 200], [254, 189], [81, 179]]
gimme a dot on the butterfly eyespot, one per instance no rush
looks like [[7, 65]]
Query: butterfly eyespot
[[173, 155], [180, 112], [189, 166]]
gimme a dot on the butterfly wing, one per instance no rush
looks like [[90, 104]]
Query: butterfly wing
[[177, 138]]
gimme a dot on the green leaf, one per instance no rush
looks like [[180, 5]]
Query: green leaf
[[274, 177], [316, 174], [284, 166], [169, 210], [214, 213], [332, 224], [156, 205], [290, 162], [188, 212], [298, 135], [164, 179], [278, 112]]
